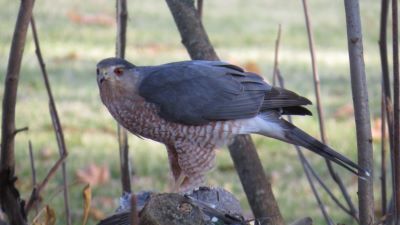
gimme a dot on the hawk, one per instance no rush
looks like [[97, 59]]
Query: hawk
[[194, 107]]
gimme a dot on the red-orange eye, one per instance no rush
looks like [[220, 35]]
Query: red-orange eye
[[118, 71]]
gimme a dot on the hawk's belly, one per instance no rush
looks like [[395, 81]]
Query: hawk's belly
[[143, 120]]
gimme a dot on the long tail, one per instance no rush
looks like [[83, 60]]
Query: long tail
[[289, 133]]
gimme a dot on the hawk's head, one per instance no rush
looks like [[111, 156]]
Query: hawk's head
[[116, 75]]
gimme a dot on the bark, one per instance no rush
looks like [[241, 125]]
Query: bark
[[396, 111], [170, 209], [193, 34], [242, 150], [9, 196], [361, 111]]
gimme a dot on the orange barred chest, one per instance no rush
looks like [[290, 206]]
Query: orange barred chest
[[141, 118]]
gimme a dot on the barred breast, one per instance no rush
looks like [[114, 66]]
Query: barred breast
[[141, 118]]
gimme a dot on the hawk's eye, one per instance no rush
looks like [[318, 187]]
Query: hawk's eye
[[118, 71], [97, 71]]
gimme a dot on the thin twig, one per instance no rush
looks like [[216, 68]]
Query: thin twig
[[10, 200], [320, 111], [306, 166], [396, 110], [385, 97], [361, 111], [275, 70], [326, 188], [55, 121], [122, 15], [35, 195], [200, 8], [383, 153], [23, 129], [328, 220], [33, 170]]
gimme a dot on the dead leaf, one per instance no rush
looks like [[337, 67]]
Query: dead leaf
[[50, 216], [94, 174], [46, 153], [87, 198], [345, 111], [96, 19]]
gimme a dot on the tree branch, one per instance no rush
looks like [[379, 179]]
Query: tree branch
[[9, 196], [396, 110], [361, 111], [122, 15], [242, 150], [385, 97], [55, 121]]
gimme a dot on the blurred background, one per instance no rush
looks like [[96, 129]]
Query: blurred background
[[76, 34]]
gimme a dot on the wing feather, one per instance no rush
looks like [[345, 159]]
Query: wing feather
[[197, 92]]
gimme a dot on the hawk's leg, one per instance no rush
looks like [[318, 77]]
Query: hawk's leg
[[189, 162], [178, 175]]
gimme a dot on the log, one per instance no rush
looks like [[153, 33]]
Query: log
[[170, 209]]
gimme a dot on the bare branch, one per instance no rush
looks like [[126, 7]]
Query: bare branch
[[55, 120], [306, 166], [122, 15], [385, 95], [307, 170], [200, 8], [35, 195], [383, 154], [23, 129], [33, 170], [321, 119], [396, 110], [361, 110], [9, 196], [276, 57], [242, 150]]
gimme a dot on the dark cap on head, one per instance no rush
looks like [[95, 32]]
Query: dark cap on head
[[112, 61]]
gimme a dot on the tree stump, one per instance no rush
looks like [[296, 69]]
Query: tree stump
[[170, 209]]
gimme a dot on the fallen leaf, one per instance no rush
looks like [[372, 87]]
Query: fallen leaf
[[94, 174], [376, 129], [46, 153], [50, 216], [87, 198], [345, 111], [96, 19]]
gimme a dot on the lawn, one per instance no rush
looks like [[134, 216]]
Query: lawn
[[75, 35]]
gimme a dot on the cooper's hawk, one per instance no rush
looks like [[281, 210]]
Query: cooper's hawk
[[196, 106]]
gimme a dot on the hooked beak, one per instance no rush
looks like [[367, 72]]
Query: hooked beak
[[103, 77]]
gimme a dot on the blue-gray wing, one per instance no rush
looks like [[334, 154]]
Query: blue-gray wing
[[197, 92]]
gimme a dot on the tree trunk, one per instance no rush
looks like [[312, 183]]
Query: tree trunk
[[242, 150], [9, 196]]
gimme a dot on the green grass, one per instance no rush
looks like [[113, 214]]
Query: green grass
[[241, 31]]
